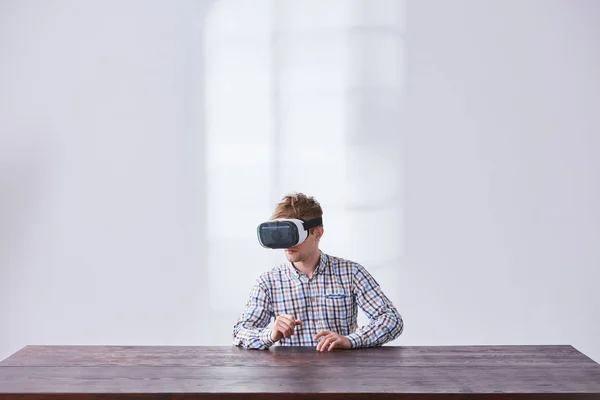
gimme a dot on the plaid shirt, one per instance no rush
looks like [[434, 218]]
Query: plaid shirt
[[327, 301]]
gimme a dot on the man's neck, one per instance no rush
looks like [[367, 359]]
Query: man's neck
[[308, 267]]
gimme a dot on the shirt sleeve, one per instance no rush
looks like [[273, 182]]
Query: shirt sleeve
[[386, 323], [251, 330]]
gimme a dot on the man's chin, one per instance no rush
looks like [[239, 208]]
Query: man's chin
[[292, 256]]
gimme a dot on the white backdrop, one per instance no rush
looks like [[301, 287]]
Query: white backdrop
[[316, 108], [103, 175]]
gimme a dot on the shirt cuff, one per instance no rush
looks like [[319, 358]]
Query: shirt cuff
[[355, 340], [265, 337]]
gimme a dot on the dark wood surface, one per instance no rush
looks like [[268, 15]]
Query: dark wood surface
[[162, 372]]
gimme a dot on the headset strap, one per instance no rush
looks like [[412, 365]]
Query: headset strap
[[313, 223]]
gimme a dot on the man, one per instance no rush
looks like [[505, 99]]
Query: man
[[314, 296]]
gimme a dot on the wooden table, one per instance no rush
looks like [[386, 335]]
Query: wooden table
[[165, 373]]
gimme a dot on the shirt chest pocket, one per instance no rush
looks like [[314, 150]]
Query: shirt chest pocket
[[337, 304]]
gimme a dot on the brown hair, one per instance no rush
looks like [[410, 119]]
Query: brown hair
[[298, 205]]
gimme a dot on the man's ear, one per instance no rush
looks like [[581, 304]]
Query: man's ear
[[319, 232]]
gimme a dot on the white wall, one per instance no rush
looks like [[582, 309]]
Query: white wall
[[502, 187], [313, 90], [101, 174]]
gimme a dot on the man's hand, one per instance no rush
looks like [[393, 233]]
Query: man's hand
[[284, 327], [331, 340]]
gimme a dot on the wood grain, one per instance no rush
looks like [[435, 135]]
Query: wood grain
[[90, 372], [290, 356]]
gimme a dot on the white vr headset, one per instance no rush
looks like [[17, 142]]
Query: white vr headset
[[283, 233]]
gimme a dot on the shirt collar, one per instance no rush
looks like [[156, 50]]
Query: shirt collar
[[323, 263]]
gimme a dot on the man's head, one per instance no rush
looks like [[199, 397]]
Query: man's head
[[301, 206]]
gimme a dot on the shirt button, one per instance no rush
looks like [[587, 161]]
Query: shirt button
[[313, 299]]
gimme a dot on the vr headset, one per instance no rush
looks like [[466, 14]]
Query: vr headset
[[285, 232]]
